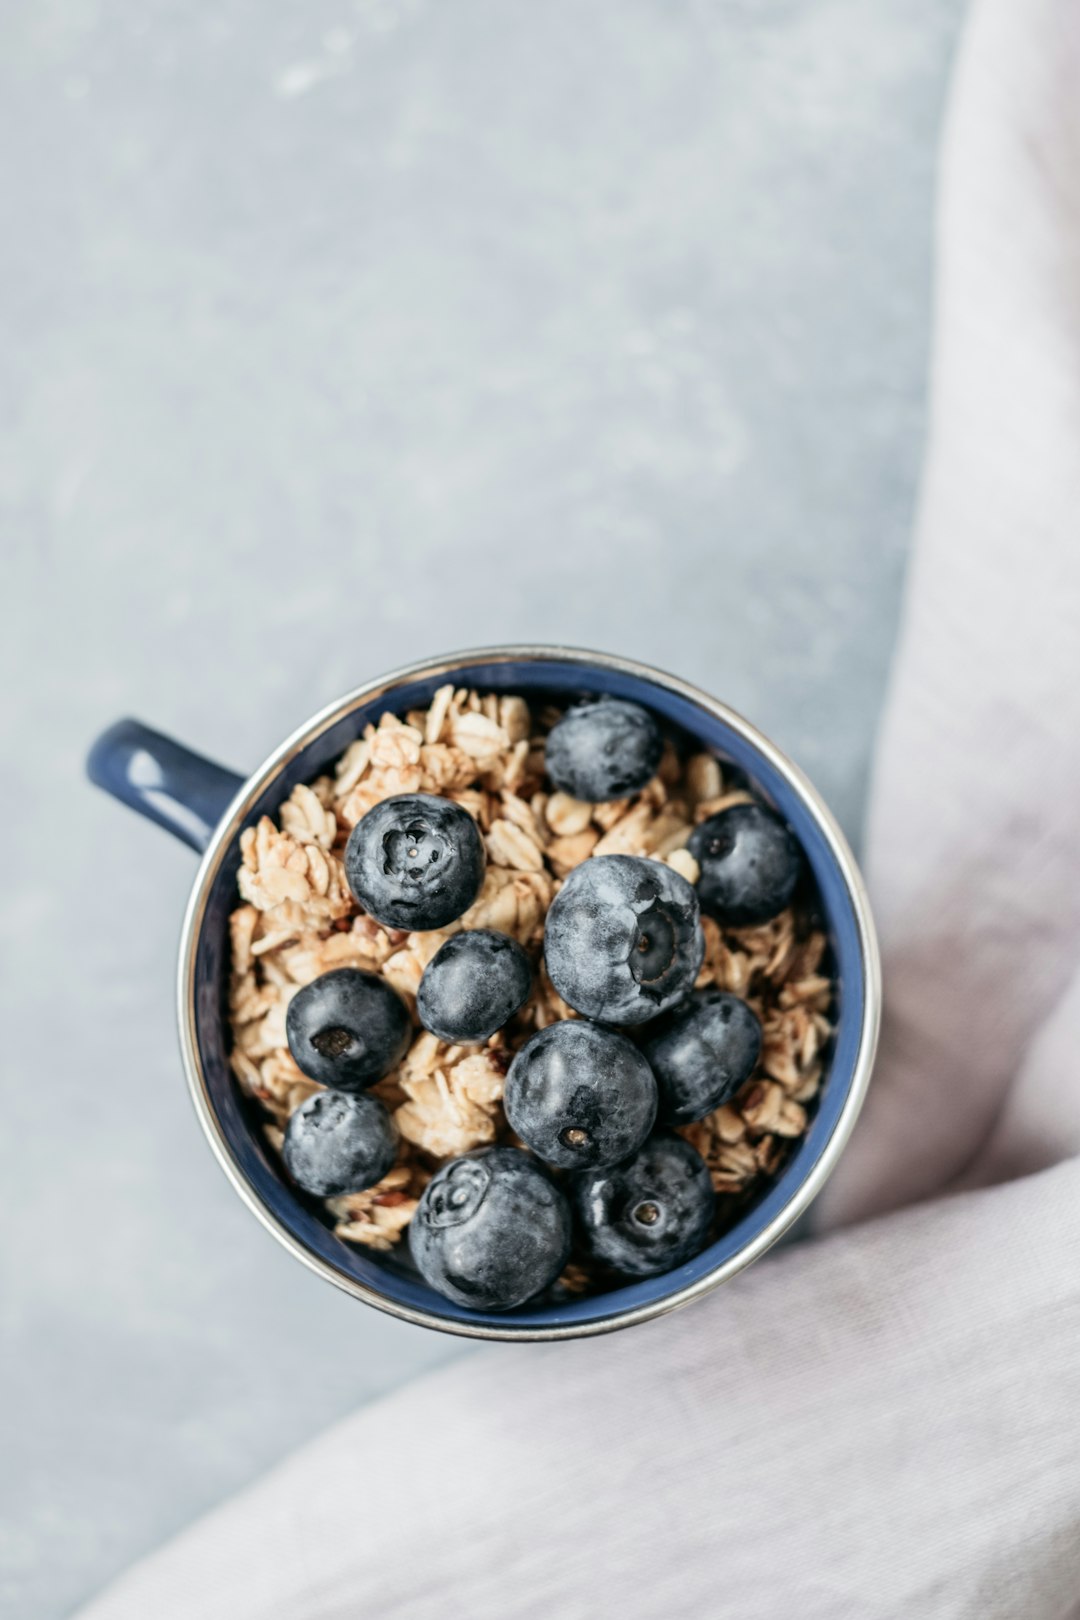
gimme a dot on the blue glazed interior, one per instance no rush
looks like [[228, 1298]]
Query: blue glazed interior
[[387, 1277]]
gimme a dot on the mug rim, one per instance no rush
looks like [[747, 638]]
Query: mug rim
[[802, 1194]]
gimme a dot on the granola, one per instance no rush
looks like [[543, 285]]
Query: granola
[[297, 919]]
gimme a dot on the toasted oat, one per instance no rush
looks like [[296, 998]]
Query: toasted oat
[[628, 835], [681, 861], [703, 779], [723, 801], [574, 1280], [511, 846], [479, 737], [606, 815], [296, 919], [306, 819], [566, 816], [563, 854]]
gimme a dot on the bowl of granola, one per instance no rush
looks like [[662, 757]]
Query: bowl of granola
[[524, 993]]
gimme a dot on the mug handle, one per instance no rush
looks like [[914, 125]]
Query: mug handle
[[182, 791]]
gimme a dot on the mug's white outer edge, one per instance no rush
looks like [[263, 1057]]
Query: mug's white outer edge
[[802, 1197]]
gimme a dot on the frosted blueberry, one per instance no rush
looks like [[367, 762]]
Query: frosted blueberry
[[701, 1053], [579, 1095], [749, 864], [603, 749], [415, 861], [473, 985], [623, 939], [649, 1214], [336, 1143], [347, 1029], [491, 1230]]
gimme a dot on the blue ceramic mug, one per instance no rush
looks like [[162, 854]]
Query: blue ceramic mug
[[208, 807]]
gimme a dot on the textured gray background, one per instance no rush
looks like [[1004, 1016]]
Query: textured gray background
[[335, 335]]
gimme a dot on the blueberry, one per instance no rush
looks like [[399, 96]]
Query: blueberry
[[623, 939], [603, 749], [649, 1214], [347, 1029], [335, 1143], [579, 1095], [415, 861], [491, 1230], [473, 985], [749, 864], [701, 1053]]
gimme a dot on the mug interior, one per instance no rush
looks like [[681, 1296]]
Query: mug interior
[[393, 1283]]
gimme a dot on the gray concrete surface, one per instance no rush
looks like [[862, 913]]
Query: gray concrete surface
[[334, 335]]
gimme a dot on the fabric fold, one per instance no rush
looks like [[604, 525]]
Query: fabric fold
[[973, 855], [857, 1428]]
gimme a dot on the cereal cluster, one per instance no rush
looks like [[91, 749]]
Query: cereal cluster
[[297, 920]]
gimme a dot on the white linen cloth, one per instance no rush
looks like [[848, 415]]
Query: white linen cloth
[[885, 1421]]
